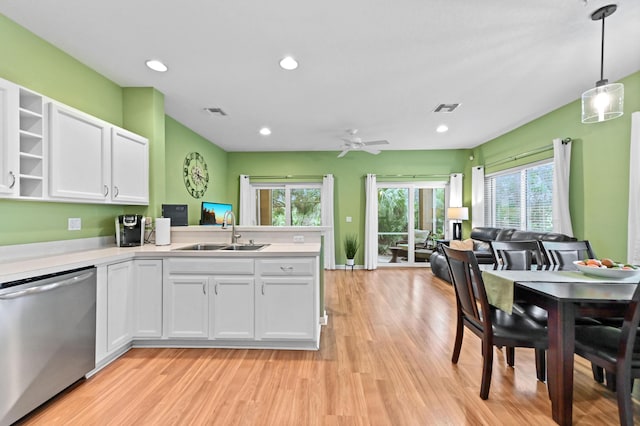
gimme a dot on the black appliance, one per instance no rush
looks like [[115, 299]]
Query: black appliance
[[129, 230], [178, 213]]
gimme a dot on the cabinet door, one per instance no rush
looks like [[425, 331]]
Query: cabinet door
[[286, 308], [232, 307], [8, 138], [78, 150], [119, 305], [186, 307], [129, 167], [147, 298]]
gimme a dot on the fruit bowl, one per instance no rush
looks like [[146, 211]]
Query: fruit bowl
[[603, 271]]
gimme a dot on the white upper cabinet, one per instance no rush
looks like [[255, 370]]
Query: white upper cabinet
[[79, 155], [52, 152], [129, 167], [94, 161], [8, 138]]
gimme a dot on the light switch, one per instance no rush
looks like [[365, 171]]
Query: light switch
[[74, 224], [349, 219]]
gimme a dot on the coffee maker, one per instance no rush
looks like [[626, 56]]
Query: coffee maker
[[129, 230]]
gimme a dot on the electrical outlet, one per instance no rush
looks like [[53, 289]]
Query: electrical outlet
[[148, 222], [74, 224], [298, 238], [349, 219]]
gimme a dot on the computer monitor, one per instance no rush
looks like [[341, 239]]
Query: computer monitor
[[213, 213]]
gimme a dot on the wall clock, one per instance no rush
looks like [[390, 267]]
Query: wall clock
[[195, 174]]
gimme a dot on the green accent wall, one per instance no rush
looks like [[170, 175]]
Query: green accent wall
[[599, 177], [144, 114], [180, 142], [349, 174]]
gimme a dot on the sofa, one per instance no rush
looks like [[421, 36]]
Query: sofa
[[482, 236]]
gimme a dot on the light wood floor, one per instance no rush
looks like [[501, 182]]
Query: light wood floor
[[385, 359]]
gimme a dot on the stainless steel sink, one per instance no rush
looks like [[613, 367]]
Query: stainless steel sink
[[245, 247], [204, 247]]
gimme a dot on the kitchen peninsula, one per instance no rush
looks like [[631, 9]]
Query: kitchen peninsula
[[163, 296]]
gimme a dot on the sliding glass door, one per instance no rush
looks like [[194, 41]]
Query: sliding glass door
[[410, 219]]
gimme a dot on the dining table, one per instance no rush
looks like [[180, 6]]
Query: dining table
[[565, 295]]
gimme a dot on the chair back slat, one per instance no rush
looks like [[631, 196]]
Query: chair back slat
[[562, 254], [468, 284], [517, 255]]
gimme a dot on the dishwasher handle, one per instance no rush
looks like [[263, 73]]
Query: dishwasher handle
[[46, 287]]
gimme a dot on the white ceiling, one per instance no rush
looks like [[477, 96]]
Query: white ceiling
[[381, 66]]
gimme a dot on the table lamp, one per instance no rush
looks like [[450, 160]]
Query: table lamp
[[457, 214]]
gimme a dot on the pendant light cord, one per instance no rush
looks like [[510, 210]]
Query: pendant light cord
[[602, 53]]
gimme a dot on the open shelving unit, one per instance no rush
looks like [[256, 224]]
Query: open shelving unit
[[31, 145]]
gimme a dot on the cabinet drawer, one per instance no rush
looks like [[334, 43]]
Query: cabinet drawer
[[293, 266], [209, 266]]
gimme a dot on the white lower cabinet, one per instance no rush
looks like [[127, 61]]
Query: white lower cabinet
[[119, 305], [232, 307], [286, 299], [186, 306], [147, 298]]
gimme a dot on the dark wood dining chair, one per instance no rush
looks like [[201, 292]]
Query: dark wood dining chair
[[561, 254], [617, 350], [517, 255], [493, 326]]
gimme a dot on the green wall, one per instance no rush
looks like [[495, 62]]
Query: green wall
[[599, 179], [180, 142], [349, 173]]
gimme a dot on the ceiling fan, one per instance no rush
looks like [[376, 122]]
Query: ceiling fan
[[355, 143]]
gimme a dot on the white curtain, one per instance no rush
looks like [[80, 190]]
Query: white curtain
[[327, 220], [247, 202], [455, 196], [633, 234], [371, 223], [477, 196], [560, 202]]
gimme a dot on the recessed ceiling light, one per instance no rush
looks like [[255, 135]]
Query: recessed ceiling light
[[288, 63], [442, 128], [265, 131], [156, 65]]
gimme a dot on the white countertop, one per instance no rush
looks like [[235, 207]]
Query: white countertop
[[20, 269]]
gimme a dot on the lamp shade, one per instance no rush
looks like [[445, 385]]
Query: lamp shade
[[458, 213], [603, 103]]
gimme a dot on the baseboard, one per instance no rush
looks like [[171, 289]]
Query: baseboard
[[324, 319]]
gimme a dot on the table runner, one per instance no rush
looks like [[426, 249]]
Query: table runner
[[499, 284]]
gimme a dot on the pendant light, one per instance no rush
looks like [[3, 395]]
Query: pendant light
[[605, 101]]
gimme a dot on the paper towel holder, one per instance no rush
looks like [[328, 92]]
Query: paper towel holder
[[163, 231]]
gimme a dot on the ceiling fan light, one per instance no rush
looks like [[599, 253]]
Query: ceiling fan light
[[603, 103]]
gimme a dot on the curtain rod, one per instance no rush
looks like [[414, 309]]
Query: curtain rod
[[288, 177], [526, 154], [415, 176]]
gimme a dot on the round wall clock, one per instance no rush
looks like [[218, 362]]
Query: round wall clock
[[195, 174]]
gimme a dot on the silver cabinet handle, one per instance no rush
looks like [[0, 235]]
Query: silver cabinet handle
[[13, 181], [216, 289], [263, 289], [47, 287], [287, 268], [106, 190], [116, 191], [204, 288]]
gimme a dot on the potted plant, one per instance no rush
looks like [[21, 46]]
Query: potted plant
[[350, 248]]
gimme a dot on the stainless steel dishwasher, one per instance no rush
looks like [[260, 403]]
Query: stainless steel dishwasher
[[47, 338]]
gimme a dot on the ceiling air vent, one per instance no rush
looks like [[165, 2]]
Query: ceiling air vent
[[446, 107], [216, 111]]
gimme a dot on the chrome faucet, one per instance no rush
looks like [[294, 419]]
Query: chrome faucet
[[234, 236]]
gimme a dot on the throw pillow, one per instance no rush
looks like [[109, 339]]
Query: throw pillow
[[461, 245]]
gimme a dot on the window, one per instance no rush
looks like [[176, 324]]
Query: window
[[520, 198], [289, 205]]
